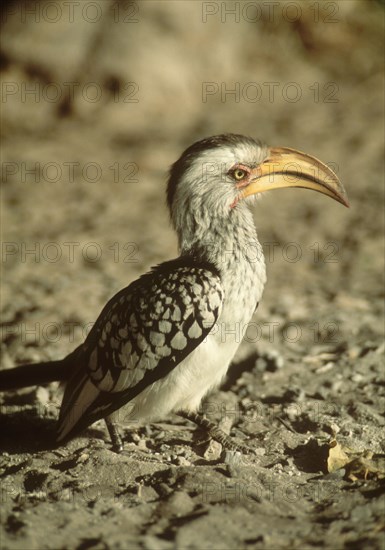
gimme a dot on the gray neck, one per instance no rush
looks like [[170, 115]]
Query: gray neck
[[231, 245], [225, 242]]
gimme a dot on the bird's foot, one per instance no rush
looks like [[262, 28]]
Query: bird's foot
[[117, 443], [216, 433], [210, 427]]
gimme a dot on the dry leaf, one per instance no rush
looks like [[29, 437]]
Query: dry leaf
[[361, 465], [366, 467], [337, 457]]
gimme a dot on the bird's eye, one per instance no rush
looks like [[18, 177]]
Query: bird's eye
[[238, 174]]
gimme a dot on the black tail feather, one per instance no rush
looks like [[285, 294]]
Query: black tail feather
[[34, 374], [38, 374]]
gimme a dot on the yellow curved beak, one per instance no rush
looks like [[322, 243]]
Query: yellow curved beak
[[286, 167]]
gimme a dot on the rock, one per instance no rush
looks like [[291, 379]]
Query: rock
[[42, 395], [232, 458], [179, 504], [271, 361], [213, 450], [182, 461], [142, 445]]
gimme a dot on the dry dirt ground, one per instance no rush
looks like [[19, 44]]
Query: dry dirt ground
[[118, 91]]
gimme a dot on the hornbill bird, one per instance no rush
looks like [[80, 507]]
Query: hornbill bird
[[153, 348]]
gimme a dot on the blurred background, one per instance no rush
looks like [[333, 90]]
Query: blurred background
[[99, 98]]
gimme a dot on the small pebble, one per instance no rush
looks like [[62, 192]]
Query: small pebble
[[182, 461], [335, 429], [232, 458], [179, 504], [42, 395], [259, 451], [142, 445], [213, 450], [325, 368]]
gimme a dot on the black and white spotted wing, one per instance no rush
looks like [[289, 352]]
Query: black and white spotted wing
[[143, 332]]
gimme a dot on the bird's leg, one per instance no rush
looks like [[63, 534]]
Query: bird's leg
[[117, 443], [215, 432]]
